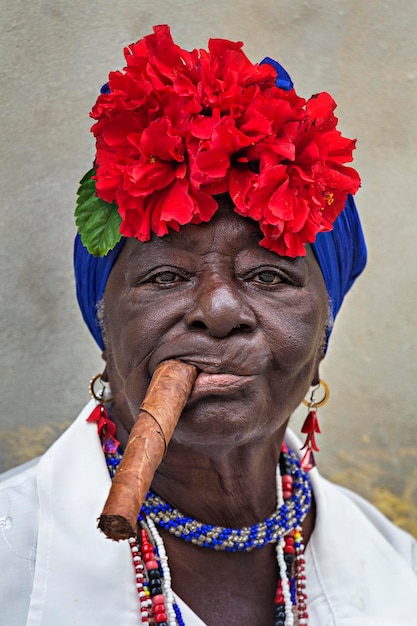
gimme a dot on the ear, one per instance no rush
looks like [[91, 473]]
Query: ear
[[105, 374], [316, 379], [321, 353]]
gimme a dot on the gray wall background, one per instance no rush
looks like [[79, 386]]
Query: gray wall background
[[55, 55]]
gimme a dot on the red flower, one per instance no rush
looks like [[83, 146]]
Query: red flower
[[177, 128]]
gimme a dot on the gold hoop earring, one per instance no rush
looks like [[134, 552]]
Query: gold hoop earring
[[311, 425], [312, 402], [104, 394]]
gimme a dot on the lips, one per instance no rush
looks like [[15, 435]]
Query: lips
[[218, 384], [227, 363], [226, 368]]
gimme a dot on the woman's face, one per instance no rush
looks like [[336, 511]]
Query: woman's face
[[252, 322]]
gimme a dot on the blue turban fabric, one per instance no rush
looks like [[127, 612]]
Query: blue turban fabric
[[341, 254], [91, 274]]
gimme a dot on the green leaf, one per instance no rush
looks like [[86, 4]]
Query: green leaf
[[98, 222]]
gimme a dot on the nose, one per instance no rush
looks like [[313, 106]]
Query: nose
[[219, 309]]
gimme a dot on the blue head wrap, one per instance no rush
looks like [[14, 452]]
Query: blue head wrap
[[341, 254]]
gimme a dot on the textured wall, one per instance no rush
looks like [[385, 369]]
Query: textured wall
[[54, 57]]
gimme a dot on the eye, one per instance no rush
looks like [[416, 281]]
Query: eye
[[267, 277], [166, 278], [161, 276]]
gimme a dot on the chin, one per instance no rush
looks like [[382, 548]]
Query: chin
[[229, 425]]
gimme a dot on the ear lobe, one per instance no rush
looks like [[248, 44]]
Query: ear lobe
[[105, 374], [316, 379], [320, 356]]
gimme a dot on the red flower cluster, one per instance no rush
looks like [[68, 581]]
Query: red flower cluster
[[177, 128]]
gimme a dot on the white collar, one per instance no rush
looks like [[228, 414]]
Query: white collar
[[73, 484]]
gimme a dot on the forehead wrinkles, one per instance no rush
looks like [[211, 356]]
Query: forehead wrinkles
[[224, 238]]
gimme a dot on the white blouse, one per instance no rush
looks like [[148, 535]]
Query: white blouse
[[57, 569]]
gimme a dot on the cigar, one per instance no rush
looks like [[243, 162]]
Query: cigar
[[159, 413]]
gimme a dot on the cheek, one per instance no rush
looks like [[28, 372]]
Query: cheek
[[295, 361], [135, 329], [296, 334]]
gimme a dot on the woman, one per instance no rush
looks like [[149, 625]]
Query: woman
[[240, 239]]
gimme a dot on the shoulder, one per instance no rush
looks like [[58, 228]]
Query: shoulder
[[18, 485], [18, 540], [17, 473], [360, 566], [402, 542], [18, 491], [18, 502], [347, 510], [341, 507]]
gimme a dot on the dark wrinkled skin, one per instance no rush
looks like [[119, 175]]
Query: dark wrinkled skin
[[210, 295]]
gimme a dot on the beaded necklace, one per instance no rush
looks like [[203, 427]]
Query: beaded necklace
[[283, 527]]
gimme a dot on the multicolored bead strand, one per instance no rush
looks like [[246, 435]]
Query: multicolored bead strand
[[283, 614], [172, 609], [141, 583], [155, 584], [301, 596]]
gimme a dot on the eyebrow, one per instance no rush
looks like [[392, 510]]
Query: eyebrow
[[144, 249]]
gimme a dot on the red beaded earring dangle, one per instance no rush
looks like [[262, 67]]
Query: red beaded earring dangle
[[105, 425], [311, 426]]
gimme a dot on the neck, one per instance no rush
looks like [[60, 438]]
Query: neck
[[233, 488]]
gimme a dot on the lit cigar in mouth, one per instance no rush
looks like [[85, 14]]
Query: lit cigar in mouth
[[159, 413]]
